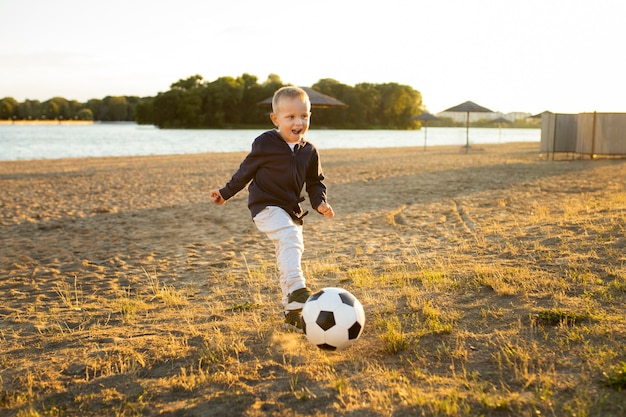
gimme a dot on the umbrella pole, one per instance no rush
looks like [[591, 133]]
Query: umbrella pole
[[425, 133], [467, 133]]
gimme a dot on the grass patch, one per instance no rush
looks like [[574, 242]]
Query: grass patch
[[556, 316], [616, 377]]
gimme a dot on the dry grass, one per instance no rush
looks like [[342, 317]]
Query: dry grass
[[494, 283]]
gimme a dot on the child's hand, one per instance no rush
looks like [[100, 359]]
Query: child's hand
[[325, 209], [217, 197]]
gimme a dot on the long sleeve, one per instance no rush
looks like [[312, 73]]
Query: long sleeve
[[315, 188], [244, 174]]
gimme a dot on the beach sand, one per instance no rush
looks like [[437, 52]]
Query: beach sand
[[81, 236]]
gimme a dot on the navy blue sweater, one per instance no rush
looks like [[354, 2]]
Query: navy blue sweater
[[277, 176]]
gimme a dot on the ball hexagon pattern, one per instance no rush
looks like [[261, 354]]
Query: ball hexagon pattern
[[333, 318]]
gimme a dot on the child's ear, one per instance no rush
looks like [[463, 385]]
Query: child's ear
[[274, 119]]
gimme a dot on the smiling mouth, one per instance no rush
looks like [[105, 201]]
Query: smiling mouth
[[296, 131]]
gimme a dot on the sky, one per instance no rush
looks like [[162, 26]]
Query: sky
[[565, 56]]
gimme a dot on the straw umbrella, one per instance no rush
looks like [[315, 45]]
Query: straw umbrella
[[318, 100], [425, 117], [500, 121], [468, 107]]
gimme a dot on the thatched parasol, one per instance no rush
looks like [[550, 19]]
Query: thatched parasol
[[540, 115], [468, 107], [318, 100], [425, 117], [500, 120]]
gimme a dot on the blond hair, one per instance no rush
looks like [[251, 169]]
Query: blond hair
[[288, 92]]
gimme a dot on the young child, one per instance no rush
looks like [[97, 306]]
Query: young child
[[279, 165]]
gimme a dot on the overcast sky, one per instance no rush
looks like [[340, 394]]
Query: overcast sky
[[559, 55]]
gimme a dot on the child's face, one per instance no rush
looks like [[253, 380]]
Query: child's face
[[292, 118]]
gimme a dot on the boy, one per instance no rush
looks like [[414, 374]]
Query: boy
[[279, 165]]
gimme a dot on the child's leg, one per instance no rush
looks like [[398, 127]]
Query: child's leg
[[289, 244]]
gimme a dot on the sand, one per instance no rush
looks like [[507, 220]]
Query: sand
[[78, 233], [103, 219]]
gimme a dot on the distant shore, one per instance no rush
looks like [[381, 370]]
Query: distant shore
[[46, 122]]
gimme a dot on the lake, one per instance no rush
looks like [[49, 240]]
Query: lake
[[27, 142]]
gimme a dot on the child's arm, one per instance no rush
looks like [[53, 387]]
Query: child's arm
[[242, 177], [316, 188]]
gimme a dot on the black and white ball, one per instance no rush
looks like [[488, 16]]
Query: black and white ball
[[333, 319]]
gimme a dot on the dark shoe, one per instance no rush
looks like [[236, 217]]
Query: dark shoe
[[293, 321], [297, 299], [293, 311]]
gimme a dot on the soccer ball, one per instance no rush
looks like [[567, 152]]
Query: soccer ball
[[332, 319]]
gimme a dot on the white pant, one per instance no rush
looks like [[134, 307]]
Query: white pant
[[289, 244]]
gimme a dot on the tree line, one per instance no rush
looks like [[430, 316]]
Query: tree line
[[109, 109], [230, 102], [233, 102]]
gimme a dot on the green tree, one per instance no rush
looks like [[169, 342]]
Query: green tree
[[117, 109], [180, 107], [84, 114], [8, 108], [223, 98], [50, 110], [189, 108], [399, 103], [144, 112], [253, 93], [165, 110], [365, 110], [131, 102], [272, 83], [265, 90], [335, 117], [97, 108], [74, 108], [29, 110], [57, 108], [188, 83]]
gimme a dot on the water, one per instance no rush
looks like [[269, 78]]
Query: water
[[27, 142]]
